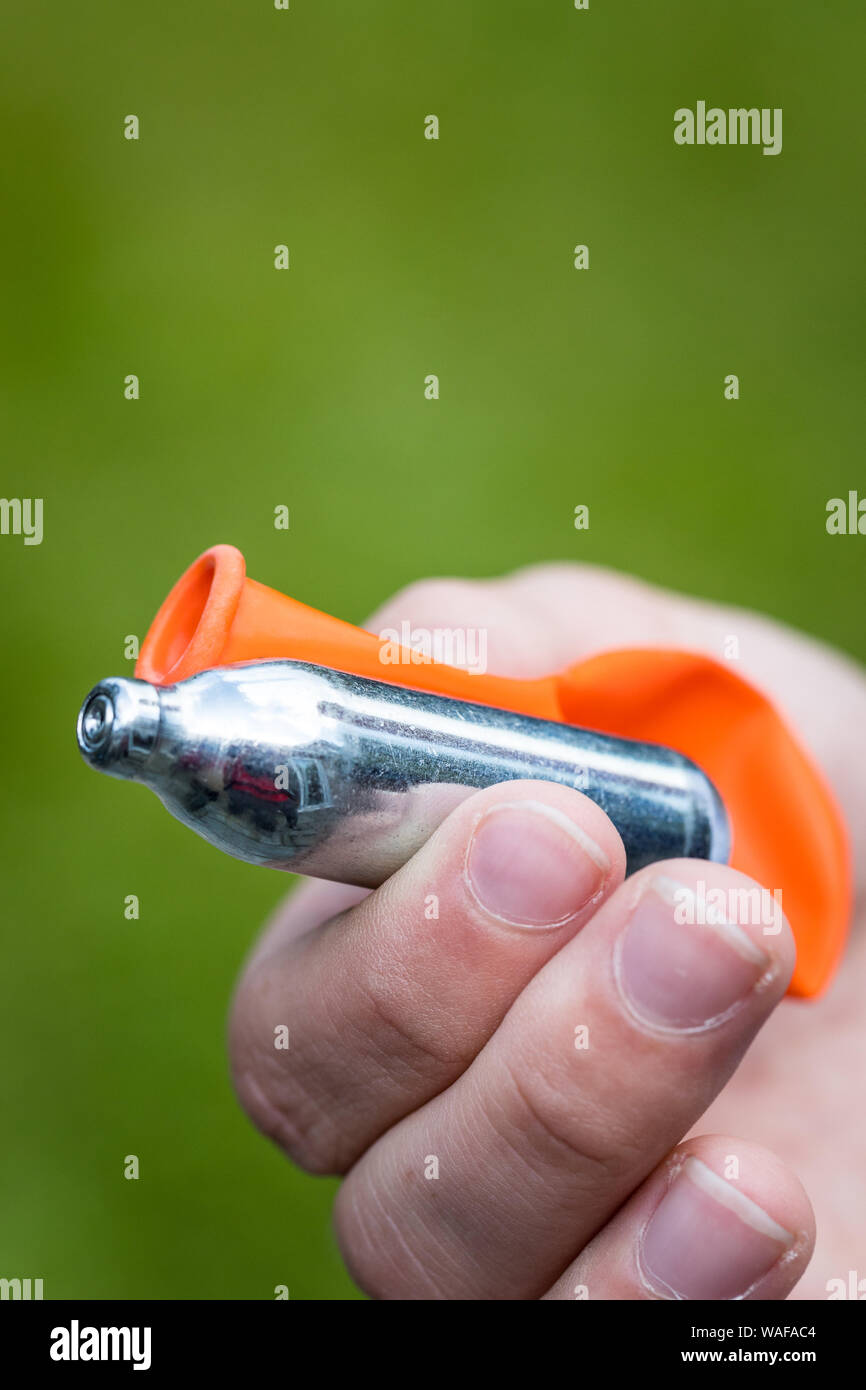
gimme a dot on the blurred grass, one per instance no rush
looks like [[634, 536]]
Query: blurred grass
[[306, 388]]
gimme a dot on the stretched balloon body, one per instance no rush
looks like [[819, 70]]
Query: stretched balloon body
[[335, 721]]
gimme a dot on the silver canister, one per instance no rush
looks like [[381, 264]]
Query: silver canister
[[303, 768]]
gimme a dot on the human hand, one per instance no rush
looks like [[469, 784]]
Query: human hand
[[452, 1044]]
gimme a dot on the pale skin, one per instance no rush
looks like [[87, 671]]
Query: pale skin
[[551, 1089]]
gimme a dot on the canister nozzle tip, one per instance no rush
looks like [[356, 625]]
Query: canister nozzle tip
[[95, 721], [118, 726]]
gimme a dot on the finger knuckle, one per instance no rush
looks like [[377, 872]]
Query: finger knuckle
[[409, 1025], [543, 1118], [276, 1092]]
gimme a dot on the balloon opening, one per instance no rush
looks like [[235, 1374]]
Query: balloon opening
[[189, 632]]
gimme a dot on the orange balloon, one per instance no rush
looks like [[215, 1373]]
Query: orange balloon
[[787, 829]]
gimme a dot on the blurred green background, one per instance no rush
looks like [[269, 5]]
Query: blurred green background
[[305, 387]]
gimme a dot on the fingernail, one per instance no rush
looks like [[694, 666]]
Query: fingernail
[[531, 865], [676, 971], [709, 1240]]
